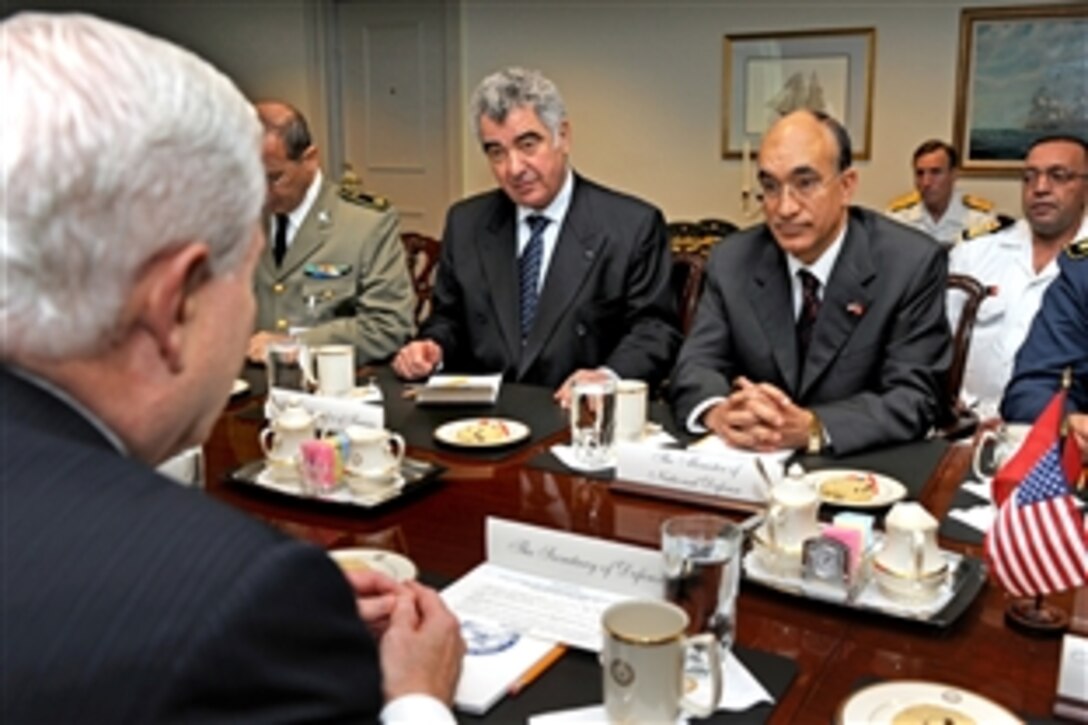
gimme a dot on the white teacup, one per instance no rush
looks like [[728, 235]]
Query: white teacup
[[630, 409], [1002, 443], [282, 440], [374, 455], [333, 369], [910, 565], [643, 661]]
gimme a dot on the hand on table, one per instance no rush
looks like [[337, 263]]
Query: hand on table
[[759, 417], [259, 342], [422, 649], [563, 393], [1078, 423], [375, 597], [417, 359]]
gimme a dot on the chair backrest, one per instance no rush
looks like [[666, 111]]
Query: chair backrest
[[421, 253], [973, 293], [717, 227], [687, 283]]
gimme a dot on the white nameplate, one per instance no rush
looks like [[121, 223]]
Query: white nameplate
[[731, 475], [336, 413], [573, 559]]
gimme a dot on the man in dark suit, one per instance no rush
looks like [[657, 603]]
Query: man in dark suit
[[125, 316], [824, 328], [551, 277]]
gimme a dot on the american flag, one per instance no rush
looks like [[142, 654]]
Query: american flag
[[1038, 543]]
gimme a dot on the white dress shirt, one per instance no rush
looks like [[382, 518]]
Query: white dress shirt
[[1003, 262], [556, 212]]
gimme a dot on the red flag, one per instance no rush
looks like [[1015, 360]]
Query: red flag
[[1039, 541], [1043, 434]]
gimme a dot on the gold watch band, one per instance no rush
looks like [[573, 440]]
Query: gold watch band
[[815, 435]]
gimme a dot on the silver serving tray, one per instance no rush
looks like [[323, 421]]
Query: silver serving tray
[[965, 579]]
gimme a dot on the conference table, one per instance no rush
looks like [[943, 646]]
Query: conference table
[[819, 653]]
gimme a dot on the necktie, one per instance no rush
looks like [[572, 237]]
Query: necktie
[[810, 307], [280, 243], [529, 272]]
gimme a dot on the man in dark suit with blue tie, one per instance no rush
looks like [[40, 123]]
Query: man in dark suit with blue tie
[[822, 329], [130, 244], [551, 277]]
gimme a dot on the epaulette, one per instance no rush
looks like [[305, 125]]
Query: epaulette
[[977, 203], [986, 226], [1078, 249], [378, 203], [907, 200]]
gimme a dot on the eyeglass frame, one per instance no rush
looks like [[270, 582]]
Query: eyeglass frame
[[818, 184], [1056, 175]]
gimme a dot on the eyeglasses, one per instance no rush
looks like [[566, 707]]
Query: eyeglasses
[[1057, 175], [803, 187]]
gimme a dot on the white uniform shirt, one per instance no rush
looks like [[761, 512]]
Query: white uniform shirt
[[1003, 262], [949, 229]]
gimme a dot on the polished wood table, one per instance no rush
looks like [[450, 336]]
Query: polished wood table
[[836, 650]]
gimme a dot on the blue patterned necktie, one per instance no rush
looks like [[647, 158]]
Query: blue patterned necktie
[[810, 307], [529, 272]]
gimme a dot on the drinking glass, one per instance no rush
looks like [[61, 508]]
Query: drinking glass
[[702, 572], [593, 420], [286, 364]]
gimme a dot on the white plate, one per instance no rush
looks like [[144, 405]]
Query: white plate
[[450, 433], [888, 489], [883, 702], [238, 387], [389, 563]]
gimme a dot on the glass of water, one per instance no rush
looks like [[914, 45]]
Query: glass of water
[[702, 572], [593, 420]]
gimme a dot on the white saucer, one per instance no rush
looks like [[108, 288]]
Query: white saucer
[[391, 564], [883, 702]]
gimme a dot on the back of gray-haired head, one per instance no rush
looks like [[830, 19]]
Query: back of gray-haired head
[[502, 92], [123, 146]]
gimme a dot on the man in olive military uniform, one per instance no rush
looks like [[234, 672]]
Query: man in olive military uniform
[[936, 207], [334, 263], [1058, 341]]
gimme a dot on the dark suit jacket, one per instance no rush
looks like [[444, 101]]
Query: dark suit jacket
[[880, 349], [1058, 339], [128, 598], [606, 298]]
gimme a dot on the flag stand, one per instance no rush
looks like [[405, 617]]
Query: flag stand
[[1032, 615]]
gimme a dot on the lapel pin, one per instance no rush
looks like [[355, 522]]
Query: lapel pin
[[856, 309]]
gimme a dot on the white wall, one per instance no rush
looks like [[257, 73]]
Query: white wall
[[642, 83], [642, 78]]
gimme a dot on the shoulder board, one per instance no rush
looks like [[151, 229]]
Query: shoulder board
[[378, 203], [907, 200], [989, 226], [1078, 249], [977, 203]]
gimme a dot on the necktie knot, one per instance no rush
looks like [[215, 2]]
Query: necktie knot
[[537, 223]]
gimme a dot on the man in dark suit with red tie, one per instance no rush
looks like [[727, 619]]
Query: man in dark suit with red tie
[[130, 244], [822, 329], [551, 277]]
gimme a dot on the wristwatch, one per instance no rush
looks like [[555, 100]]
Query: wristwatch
[[815, 436]]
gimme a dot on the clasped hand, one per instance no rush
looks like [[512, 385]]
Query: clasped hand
[[760, 417]]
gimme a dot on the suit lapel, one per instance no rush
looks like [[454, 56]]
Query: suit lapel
[[771, 299], [498, 255], [846, 298], [576, 251]]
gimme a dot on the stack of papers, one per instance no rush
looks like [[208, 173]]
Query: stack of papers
[[460, 389]]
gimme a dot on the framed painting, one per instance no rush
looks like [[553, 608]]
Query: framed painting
[[767, 75], [1023, 74]]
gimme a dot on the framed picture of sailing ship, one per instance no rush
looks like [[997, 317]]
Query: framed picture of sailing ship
[[767, 75], [1022, 75]]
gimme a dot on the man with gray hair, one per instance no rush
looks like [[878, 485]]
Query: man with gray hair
[[124, 317], [551, 278]]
